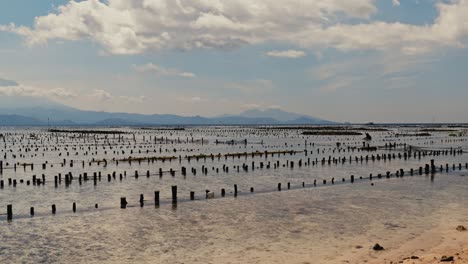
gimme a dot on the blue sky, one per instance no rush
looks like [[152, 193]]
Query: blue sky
[[342, 60]]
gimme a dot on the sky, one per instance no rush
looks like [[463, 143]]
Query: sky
[[341, 60]]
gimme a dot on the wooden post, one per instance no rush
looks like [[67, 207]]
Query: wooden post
[[156, 198], [10, 212], [54, 209], [31, 211], [123, 202], [235, 189], [174, 194], [279, 186], [223, 192], [74, 207], [142, 200], [192, 196]]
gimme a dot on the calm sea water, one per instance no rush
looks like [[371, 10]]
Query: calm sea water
[[292, 226]]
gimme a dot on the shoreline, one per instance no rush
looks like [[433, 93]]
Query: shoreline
[[428, 247]]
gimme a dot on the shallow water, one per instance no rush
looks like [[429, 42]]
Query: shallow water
[[311, 224]]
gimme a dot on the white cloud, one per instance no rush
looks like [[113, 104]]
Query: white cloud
[[25, 90], [138, 26], [61, 93], [150, 67], [251, 106], [292, 54], [396, 2], [101, 95]]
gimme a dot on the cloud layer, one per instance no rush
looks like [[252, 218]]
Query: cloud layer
[[138, 26], [159, 70], [291, 54], [12, 88]]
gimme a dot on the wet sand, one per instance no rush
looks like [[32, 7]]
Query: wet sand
[[428, 247]]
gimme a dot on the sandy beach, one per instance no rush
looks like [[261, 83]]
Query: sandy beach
[[448, 239]]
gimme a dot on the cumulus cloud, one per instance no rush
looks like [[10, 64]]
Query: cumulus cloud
[[138, 26], [150, 67], [291, 54], [396, 2]]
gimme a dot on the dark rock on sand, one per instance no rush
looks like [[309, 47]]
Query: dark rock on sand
[[377, 247], [412, 257], [461, 228], [446, 259]]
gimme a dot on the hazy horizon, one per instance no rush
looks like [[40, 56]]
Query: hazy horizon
[[385, 61]]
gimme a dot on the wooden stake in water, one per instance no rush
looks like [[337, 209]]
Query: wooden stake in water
[[174, 194], [10, 212]]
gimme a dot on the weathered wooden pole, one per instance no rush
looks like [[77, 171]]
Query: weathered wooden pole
[[123, 202], [174, 194], [156, 198], [10, 212]]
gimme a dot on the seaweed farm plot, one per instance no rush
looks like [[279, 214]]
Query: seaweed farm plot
[[63, 170], [73, 174]]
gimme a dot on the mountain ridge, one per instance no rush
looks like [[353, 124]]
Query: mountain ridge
[[41, 113]]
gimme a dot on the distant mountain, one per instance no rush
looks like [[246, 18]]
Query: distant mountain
[[23, 110], [283, 116], [17, 120]]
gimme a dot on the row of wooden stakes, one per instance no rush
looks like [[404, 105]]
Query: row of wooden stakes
[[429, 168]]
